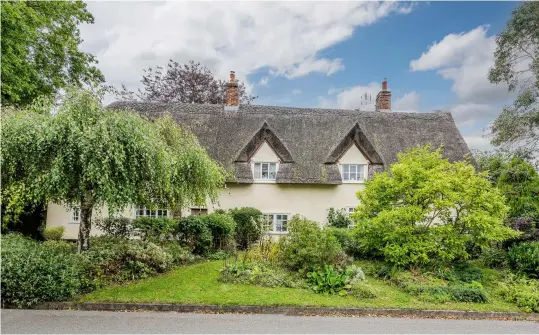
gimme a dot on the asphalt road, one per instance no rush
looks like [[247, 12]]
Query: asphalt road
[[77, 322]]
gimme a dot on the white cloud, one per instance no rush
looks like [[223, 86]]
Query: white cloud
[[469, 114], [478, 142], [465, 59], [284, 37], [264, 81], [408, 102], [332, 91], [297, 91]]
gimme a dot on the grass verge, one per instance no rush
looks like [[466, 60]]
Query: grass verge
[[197, 284]]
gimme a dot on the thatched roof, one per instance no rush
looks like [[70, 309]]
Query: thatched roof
[[307, 140]]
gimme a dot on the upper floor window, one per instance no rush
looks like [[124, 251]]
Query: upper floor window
[[75, 214], [265, 171], [353, 172], [143, 212], [278, 223]]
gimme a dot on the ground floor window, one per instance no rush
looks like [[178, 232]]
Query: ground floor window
[[198, 211], [350, 210], [143, 212], [278, 223], [75, 214]]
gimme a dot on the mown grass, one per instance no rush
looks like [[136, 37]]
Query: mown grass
[[197, 284]]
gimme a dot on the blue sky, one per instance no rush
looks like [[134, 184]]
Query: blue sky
[[435, 55]]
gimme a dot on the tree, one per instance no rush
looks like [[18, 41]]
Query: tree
[[426, 210], [189, 83], [516, 62], [87, 155], [517, 180], [40, 49]]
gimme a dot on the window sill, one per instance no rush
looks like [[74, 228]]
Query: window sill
[[278, 233], [353, 181], [264, 181]]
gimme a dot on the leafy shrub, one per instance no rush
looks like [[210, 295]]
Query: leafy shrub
[[361, 290], [222, 227], [119, 260], [338, 218], [468, 293], [218, 255], [155, 228], [267, 250], [521, 291], [347, 241], [33, 273], [521, 223], [308, 247], [193, 232], [400, 209], [258, 273], [120, 227], [180, 255], [524, 258], [54, 233], [249, 226], [356, 274], [329, 280], [495, 258]]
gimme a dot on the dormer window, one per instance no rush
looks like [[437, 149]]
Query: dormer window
[[265, 171], [353, 172]]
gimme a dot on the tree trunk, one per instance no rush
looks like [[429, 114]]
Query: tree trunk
[[86, 209]]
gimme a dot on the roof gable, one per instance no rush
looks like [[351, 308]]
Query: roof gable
[[264, 135], [355, 137]]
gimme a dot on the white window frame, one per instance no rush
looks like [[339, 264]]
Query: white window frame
[[154, 213], [357, 168], [350, 210], [264, 180], [74, 215], [274, 222]]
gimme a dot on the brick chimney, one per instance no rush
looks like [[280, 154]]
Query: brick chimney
[[383, 99], [232, 99]]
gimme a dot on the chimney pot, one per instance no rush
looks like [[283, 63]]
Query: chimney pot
[[383, 99], [232, 98]]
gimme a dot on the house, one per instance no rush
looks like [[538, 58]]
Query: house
[[293, 160]]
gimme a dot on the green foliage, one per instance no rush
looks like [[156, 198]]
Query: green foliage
[[155, 228], [249, 226], [406, 214], [40, 49], [87, 155], [33, 273], [329, 280], [180, 255], [54, 233], [195, 234], [495, 258], [524, 258], [347, 241], [258, 273], [118, 260], [222, 227], [520, 291], [338, 218], [119, 227], [362, 291], [307, 247], [516, 62]]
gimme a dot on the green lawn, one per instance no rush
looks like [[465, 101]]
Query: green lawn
[[197, 284]]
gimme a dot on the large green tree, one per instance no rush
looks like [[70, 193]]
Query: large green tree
[[40, 49], [426, 210], [87, 155], [517, 64]]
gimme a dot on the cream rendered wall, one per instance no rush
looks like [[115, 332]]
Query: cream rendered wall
[[311, 201]]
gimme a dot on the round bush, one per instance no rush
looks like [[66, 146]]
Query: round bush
[[193, 232], [249, 225], [524, 258], [54, 233], [222, 228], [33, 272]]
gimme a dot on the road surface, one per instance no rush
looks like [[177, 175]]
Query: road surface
[[76, 322]]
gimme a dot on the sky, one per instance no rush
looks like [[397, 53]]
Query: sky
[[435, 55]]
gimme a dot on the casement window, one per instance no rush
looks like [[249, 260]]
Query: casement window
[[265, 171], [278, 223], [198, 211], [350, 210], [353, 172], [75, 214], [143, 212]]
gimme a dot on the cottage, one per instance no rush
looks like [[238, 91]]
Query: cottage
[[288, 161]]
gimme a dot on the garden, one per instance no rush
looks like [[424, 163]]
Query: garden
[[428, 234]]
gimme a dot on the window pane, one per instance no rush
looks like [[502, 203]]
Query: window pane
[[346, 176], [353, 169], [272, 172], [345, 168], [360, 170], [257, 171], [265, 171]]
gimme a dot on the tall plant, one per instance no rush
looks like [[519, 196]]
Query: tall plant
[[87, 155]]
